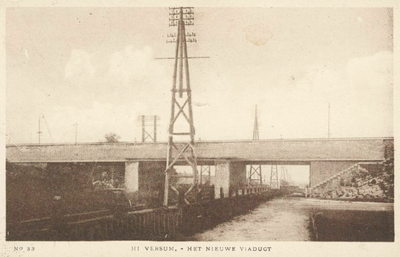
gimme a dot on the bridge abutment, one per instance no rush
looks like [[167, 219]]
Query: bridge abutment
[[322, 170]]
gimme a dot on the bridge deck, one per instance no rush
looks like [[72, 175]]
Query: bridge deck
[[344, 149]]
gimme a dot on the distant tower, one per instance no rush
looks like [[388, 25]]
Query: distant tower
[[255, 170], [274, 182], [205, 172], [256, 135], [285, 177], [146, 122]]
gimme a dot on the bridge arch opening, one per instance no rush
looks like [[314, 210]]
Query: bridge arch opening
[[206, 174], [296, 177]]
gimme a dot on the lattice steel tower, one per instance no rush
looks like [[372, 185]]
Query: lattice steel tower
[[255, 170], [184, 151], [285, 176], [274, 182], [146, 122]]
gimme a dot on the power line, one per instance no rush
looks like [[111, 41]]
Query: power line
[[48, 129], [12, 140]]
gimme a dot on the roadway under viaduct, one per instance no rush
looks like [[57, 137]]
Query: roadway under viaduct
[[145, 162]]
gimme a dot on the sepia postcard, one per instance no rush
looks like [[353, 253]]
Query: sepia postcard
[[207, 128]]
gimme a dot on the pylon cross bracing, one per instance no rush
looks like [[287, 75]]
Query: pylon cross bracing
[[255, 173], [274, 182], [205, 174], [181, 109], [146, 122]]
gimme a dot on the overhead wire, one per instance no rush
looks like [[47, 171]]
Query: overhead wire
[[48, 129], [12, 140]]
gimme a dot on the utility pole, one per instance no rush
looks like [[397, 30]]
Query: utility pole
[[256, 135], [39, 132], [76, 133], [181, 17], [329, 120], [143, 128], [155, 128]]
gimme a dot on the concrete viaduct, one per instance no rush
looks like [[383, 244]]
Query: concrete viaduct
[[146, 161]]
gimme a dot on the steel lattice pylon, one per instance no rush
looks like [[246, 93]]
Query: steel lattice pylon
[[206, 170], [255, 169], [184, 151], [274, 182], [145, 120], [285, 176]]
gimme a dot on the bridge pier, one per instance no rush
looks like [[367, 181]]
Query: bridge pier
[[228, 175], [144, 181], [132, 180]]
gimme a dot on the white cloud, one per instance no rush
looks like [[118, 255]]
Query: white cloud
[[325, 83], [372, 73], [132, 65], [79, 66]]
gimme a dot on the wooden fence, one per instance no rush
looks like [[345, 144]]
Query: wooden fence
[[172, 223]]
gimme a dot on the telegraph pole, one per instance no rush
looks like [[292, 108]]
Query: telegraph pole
[[143, 129], [256, 135], [39, 132], [76, 133], [155, 128], [329, 120], [181, 17]]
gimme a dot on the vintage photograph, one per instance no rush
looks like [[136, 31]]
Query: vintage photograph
[[199, 124]]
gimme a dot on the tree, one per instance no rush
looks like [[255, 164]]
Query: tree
[[112, 137]]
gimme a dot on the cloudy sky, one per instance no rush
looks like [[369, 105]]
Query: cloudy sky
[[97, 67]]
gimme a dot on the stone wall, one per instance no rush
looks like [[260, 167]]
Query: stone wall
[[322, 170], [367, 182]]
